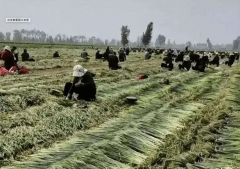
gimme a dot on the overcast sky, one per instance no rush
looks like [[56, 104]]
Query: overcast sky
[[179, 20]]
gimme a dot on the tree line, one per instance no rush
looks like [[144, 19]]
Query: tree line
[[34, 35]]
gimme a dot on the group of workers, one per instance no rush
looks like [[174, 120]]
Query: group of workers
[[112, 58], [83, 86], [10, 56], [197, 60]]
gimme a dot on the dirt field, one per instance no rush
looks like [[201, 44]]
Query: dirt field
[[191, 123]]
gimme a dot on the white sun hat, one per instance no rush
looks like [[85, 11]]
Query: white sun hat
[[7, 48], [186, 58], [165, 53], [79, 71]]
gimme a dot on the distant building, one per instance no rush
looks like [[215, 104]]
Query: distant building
[[201, 46]]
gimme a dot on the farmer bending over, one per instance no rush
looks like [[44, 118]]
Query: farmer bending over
[[98, 55], [168, 61], [8, 58], [113, 62], [83, 86], [56, 55], [122, 55], [84, 54]]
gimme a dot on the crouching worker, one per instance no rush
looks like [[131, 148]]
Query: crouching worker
[[147, 55], [200, 66], [186, 63], [83, 86], [215, 60], [84, 54], [8, 58], [26, 57], [113, 62], [56, 55], [231, 60], [98, 55], [168, 61]]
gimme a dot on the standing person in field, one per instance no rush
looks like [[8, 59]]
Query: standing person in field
[[26, 57], [83, 86], [8, 58], [113, 62], [56, 55]]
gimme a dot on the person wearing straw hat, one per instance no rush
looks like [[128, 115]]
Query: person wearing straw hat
[[83, 86], [8, 58]]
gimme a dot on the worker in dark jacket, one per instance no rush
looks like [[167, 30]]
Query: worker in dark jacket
[[98, 55], [200, 65], [56, 55], [127, 51], [186, 62], [230, 60], [106, 53], [84, 54], [168, 61], [83, 86], [122, 55], [237, 56], [215, 60], [113, 62], [26, 57], [8, 58]]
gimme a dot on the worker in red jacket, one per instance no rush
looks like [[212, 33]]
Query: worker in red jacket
[[8, 58]]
